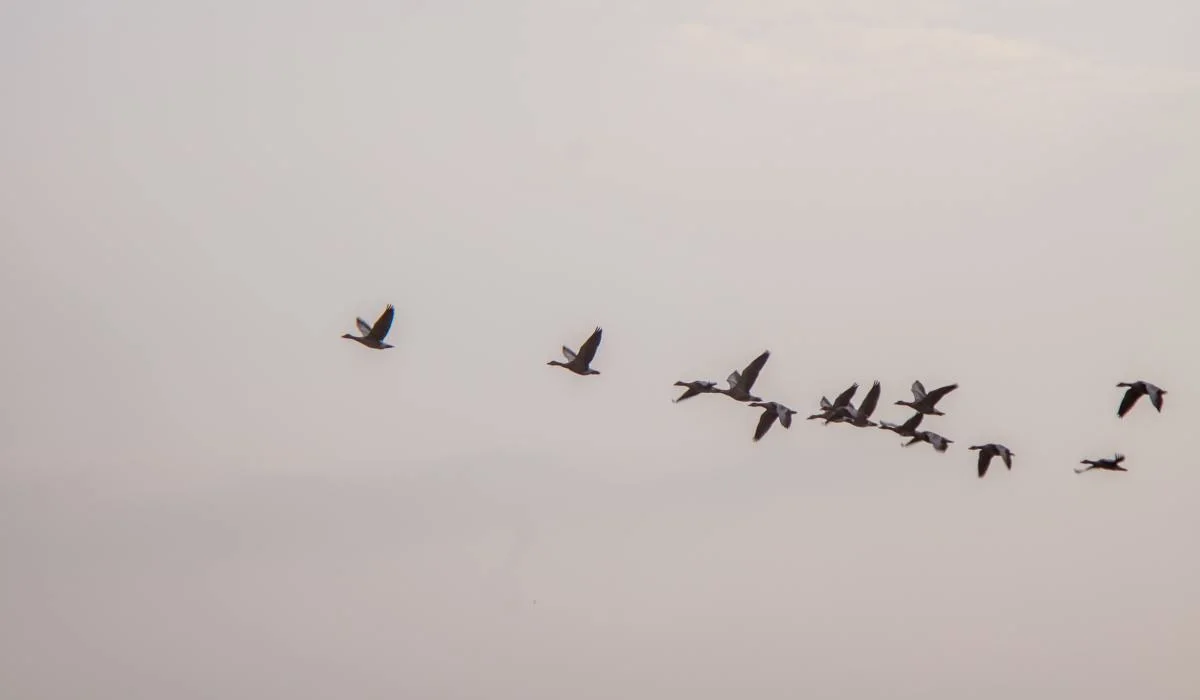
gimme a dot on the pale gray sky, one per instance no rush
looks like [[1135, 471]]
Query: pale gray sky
[[206, 493]]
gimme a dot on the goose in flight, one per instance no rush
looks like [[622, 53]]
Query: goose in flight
[[924, 402], [581, 363], [740, 383], [372, 336], [772, 411], [906, 429], [986, 452], [1112, 464], [832, 412], [938, 442], [1136, 391], [695, 388], [859, 416]]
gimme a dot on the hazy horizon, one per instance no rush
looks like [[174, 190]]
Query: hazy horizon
[[208, 493]]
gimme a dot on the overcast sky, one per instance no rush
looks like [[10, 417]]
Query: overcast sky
[[206, 493]]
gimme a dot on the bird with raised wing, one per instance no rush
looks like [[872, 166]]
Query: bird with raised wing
[[772, 411], [372, 336], [938, 442], [1137, 390], [1112, 464], [580, 363], [831, 411], [740, 383], [906, 429], [858, 417], [695, 388], [924, 402], [992, 449]]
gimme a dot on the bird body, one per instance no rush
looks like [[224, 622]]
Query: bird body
[[695, 388], [1112, 464], [832, 411], [1137, 390], [924, 402], [906, 429], [990, 450], [740, 383], [772, 411], [372, 336], [580, 363], [939, 443]]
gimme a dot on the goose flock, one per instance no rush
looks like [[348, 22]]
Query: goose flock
[[840, 410]]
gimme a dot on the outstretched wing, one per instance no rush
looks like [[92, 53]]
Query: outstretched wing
[[867, 407], [764, 422], [363, 327], [588, 351], [785, 417], [1156, 398], [936, 395], [918, 390], [750, 374], [843, 399], [985, 458], [383, 324], [1006, 455], [1127, 401], [568, 353], [912, 423]]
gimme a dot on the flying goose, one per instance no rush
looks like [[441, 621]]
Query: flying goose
[[740, 383], [906, 429], [581, 363], [695, 388], [938, 442], [924, 402], [372, 336], [772, 410], [859, 416], [1112, 464], [1136, 391], [831, 411], [986, 452]]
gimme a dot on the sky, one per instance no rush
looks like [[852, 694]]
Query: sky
[[205, 492]]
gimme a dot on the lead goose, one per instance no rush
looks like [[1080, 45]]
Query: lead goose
[[695, 388], [1136, 391], [992, 449], [581, 363], [772, 411], [1112, 464], [740, 383], [924, 402], [372, 336]]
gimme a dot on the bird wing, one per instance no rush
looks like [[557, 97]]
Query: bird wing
[[383, 324], [912, 423], [1128, 400], [363, 326], [691, 391], [750, 373], [867, 407], [785, 416], [938, 393], [568, 353], [1156, 397], [764, 422], [733, 379], [843, 399], [1006, 455], [985, 458], [918, 390], [587, 352]]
